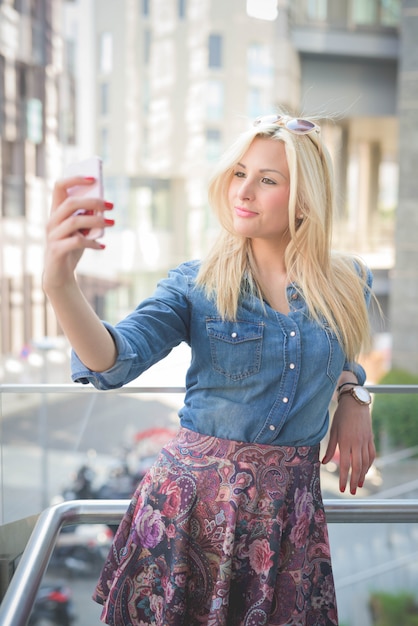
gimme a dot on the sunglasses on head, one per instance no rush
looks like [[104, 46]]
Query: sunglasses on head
[[295, 125]]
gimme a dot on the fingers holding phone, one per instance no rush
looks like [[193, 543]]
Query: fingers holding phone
[[91, 170], [76, 221]]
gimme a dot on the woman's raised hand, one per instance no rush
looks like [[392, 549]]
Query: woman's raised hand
[[71, 216]]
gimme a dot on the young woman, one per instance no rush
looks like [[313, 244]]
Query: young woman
[[228, 526]]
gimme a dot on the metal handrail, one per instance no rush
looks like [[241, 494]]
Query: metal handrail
[[18, 601], [72, 388]]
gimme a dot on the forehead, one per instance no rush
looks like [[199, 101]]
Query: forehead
[[266, 153], [267, 149]]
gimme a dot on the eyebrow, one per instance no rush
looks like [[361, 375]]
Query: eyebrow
[[264, 170]]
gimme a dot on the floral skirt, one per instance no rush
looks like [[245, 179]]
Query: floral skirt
[[222, 533]]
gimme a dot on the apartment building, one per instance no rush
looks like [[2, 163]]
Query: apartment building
[[159, 87], [30, 72]]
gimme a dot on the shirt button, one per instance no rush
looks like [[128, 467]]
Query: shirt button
[[295, 296], [292, 366], [272, 427], [233, 335], [293, 333], [285, 400]]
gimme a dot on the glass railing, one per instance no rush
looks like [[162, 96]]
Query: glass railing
[[58, 440]]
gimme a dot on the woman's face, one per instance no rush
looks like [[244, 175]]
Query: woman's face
[[259, 192]]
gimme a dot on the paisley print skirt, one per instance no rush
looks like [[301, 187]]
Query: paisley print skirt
[[222, 533]]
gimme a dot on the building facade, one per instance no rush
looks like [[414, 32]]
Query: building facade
[[159, 87], [30, 73]]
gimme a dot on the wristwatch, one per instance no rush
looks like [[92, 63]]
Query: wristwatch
[[361, 394]]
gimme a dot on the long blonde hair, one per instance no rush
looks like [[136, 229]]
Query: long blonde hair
[[332, 285]]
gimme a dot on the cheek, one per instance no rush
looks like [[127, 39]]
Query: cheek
[[232, 192], [282, 198]]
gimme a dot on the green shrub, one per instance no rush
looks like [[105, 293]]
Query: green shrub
[[393, 609], [396, 414]]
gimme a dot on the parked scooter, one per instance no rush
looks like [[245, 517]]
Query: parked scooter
[[81, 549], [53, 606]]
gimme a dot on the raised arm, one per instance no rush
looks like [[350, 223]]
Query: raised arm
[[64, 248]]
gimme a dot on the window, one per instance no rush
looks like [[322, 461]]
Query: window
[[104, 145], [317, 10], [215, 51], [260, 64], [182, 9], [13, 181], [147, 46], [34, 120], [2, 94], [104, 98], [215, 100], [145, 7], [390, 12], [376, 12], [213, 144], [106, 53], [259, 102], [70, 55], [365, 12]]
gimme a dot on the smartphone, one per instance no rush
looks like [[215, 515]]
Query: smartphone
[[89, 167]]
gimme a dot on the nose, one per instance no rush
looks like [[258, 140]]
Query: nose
[[245, 190]]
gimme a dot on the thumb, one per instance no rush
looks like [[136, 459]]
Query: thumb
[[330, 451]]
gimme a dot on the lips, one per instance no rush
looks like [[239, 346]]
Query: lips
[[243, 212]]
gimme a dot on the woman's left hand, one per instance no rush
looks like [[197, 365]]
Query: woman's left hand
[[351, 430]]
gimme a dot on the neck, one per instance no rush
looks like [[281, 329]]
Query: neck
[[269, 257]]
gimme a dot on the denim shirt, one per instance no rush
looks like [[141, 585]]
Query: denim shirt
[[266, 377]]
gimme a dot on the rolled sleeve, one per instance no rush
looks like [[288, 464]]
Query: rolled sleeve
[[146, 336], [358, 371], [116, 375]]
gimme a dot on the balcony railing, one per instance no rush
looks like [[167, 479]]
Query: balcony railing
[[21, 592], [18, 601]]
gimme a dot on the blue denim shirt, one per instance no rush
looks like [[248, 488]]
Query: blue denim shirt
[[266, 378]]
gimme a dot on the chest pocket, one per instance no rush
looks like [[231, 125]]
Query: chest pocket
[[235, 347]]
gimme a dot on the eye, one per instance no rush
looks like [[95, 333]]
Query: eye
[[268, 181], [239, 174]]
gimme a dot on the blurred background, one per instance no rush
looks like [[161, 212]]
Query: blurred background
[[157, 89]]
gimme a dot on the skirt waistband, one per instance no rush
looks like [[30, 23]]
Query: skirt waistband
[[188, 443]]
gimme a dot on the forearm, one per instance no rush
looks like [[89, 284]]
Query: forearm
[[87, 335], [347, 377]]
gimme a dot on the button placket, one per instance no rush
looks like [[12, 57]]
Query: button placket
[[282, 406]]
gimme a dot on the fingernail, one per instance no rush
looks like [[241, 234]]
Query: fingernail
[[109, 222], [342, 489], [108, 205], [361, 484], [91, 179], [102, 246]]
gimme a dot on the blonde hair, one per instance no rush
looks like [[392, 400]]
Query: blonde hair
[[333, 286]]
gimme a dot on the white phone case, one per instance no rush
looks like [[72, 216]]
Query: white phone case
[[88, 167]]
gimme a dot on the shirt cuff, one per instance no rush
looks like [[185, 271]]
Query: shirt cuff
[[357, 370], [112, 378]]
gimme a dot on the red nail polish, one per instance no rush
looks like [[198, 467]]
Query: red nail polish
[[108, 205], [91, 179], [109, 222]]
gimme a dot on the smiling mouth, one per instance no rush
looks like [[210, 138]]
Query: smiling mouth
[[243, 212]]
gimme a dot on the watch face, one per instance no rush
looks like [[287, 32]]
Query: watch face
[[362, 394]]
